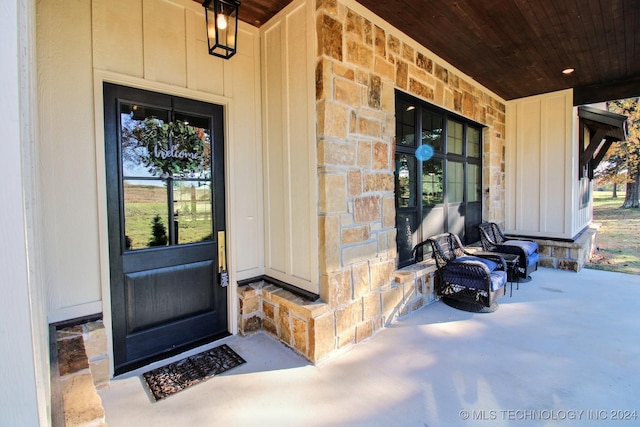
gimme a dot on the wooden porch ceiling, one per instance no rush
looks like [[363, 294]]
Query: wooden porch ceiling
[[518, 48]]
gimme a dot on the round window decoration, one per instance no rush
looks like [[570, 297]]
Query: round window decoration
[[173, 148]]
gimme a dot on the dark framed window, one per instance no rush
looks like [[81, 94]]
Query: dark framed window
[[438, 174]]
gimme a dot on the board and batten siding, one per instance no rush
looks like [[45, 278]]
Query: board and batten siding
[[542, 187], [290, 147], [157, 45]]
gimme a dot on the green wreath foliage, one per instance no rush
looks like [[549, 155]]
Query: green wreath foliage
[[173, 148]]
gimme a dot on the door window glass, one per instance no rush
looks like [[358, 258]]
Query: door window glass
[[473, 142], [455, 141], [474, 183], [405, 125], [438, 174], [167, 185], [406, 182], [432, 130], [145, 213], [192, 211], [455, 182], [432, 182], [138, 122]]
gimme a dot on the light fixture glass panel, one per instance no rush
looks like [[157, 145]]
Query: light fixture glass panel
[[222, 26]]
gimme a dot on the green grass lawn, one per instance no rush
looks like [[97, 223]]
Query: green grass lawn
[[618, 240], [139, 220], [144, 202]]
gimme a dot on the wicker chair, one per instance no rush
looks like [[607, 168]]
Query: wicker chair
[[494, 240], [463, 280]]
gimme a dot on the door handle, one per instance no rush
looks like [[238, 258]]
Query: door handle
[[222, 260]]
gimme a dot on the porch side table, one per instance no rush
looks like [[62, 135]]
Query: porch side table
[[513, 275]]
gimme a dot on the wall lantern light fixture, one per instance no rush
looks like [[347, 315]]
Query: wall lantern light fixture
[[222, 26]]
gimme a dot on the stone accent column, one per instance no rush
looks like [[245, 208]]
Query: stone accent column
[[301, 324], [359, 66], [571, 256], [83, 368]]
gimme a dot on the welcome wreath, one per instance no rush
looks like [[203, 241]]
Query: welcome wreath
[[173, 148]]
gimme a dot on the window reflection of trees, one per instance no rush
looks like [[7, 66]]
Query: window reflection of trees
[[132, 151], [438, 174], [183, 203], [405, 192], [432, 182]]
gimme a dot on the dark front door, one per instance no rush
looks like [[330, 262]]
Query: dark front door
[[165, 197]]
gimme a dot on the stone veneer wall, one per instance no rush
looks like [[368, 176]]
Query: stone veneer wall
[[359, 66], [83, 367], [309, 327], [571, 256]]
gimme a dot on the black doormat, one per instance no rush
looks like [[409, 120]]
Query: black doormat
[[177, 376]]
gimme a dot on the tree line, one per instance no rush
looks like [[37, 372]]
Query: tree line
[[621, 164]]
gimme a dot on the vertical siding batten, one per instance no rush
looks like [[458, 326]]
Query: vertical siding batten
[[290, 196], [542, 151]]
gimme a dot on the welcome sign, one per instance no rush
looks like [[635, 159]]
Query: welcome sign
[[173, 148], [175, 152]]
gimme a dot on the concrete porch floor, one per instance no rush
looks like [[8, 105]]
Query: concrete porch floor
[[564, 350]]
